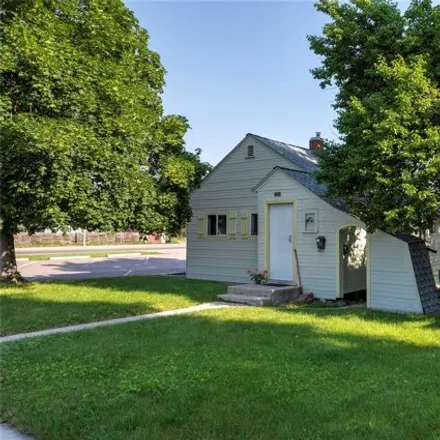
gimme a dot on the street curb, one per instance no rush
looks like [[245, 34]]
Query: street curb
[[78, 257], [22, 259], [136, 254], [74, 257]]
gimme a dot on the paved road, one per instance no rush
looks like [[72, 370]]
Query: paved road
[[88, 249], [168, 261]]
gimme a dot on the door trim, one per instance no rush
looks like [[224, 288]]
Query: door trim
[[267, 204], [339, 293]]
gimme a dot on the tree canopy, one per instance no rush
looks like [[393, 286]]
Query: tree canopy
[[385, 64], [84, 141]]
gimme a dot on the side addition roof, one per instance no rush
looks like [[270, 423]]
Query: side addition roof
[[429, 296], [309, 181]]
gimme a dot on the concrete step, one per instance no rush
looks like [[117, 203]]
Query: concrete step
[[276, 293], [251, 300]]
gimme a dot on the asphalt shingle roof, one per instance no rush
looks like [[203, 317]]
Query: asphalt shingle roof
[[429, 296], [302, 157], [309, 181]]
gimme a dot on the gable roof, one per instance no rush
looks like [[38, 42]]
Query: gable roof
[[309, 181], [297, 155], [302, 157]]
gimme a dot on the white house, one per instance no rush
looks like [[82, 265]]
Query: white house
[[261, 208]]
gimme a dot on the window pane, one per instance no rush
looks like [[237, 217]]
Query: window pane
[[254, 224], [221, 225], [212, 225]]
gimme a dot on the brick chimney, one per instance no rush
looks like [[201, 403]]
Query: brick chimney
[[316, 142]]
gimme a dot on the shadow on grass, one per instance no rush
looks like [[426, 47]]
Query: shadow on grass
[[37, 306], [56, 303], [237, 373], [367, 315]]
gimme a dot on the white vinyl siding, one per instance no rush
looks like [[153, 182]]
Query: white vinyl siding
[[317, 269], [228, 190], [393, 283], [225, 258]]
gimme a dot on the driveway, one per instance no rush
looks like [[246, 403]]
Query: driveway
[[170, 261], [106, 248]]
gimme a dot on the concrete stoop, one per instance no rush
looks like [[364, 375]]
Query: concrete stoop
[[260, 294]]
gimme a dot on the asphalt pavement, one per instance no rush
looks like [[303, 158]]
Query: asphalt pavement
[[169, 261], [86, 249]]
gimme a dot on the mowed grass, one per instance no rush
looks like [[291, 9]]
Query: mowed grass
[[241, 373], [37, 306]]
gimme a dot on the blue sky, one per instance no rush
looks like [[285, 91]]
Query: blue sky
[[239, 67]]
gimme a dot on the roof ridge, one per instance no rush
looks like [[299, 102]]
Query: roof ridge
[[294, 154], [277, 140]]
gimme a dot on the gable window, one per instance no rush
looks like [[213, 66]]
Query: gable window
[[254, 224], [217, 224], [250, 151]]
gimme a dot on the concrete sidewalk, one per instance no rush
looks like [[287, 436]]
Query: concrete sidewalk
[[7, 432], [89, 325]]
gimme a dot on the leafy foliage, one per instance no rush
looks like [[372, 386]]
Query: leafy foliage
[[84, 139], [386, 65]]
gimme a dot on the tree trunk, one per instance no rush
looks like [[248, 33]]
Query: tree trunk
[[8, 262]]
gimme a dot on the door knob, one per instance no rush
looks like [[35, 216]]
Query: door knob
[[290, 238]]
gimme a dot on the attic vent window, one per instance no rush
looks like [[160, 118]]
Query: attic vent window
[[250, 151]]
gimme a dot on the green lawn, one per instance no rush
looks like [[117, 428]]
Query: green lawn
[[242, 373], [41, 257], [37, 306]]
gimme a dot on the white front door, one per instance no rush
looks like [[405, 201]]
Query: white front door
[[281, 242]]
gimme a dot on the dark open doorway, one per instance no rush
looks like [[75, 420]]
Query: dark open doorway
[[352, 248]]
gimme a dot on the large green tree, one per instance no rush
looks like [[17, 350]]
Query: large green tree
[[385, 64], [84, 141]]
